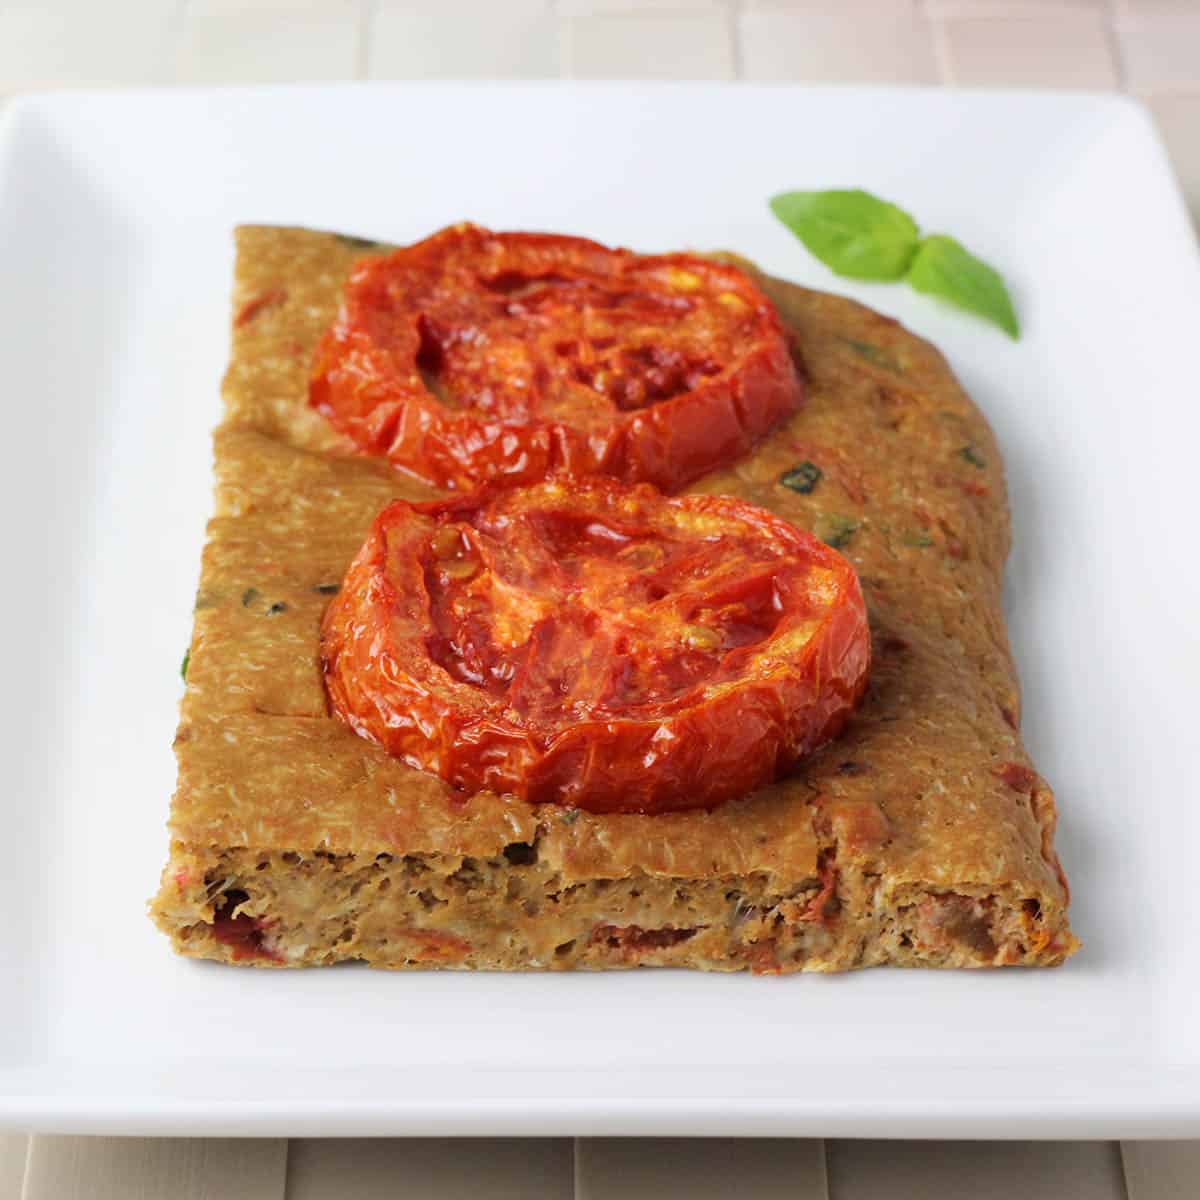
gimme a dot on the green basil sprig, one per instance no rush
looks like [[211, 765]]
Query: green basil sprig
[[942, 267], [858, 236], [853, 233]]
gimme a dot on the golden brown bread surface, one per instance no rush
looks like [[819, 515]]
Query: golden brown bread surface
[[921, 836]]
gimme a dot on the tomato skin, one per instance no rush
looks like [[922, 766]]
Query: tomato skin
[[544, 642], [553, 354]]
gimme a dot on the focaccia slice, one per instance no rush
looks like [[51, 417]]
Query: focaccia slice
[[923, 836]]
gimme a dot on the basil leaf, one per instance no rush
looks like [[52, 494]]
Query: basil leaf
[[357, 243], [183, 666], [853, 233], [873, 354], [802, 478], [946, 269], [838, 530]]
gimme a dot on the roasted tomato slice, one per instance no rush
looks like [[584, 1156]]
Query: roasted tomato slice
[[476, 356], [596, 645]]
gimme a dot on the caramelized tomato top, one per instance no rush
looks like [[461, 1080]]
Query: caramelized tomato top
[[475, 356], [586, 643]]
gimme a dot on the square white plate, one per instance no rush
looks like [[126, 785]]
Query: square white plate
[[115, 253]]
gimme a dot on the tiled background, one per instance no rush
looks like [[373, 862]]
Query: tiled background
[[1150, 48]]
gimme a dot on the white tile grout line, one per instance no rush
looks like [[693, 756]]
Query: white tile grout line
[[287, 1168], [169, 68], [1114, 44], [734, 19], [24, 1169], [941, 44], [287, 1142], [367, 10], [1123, 1155]]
